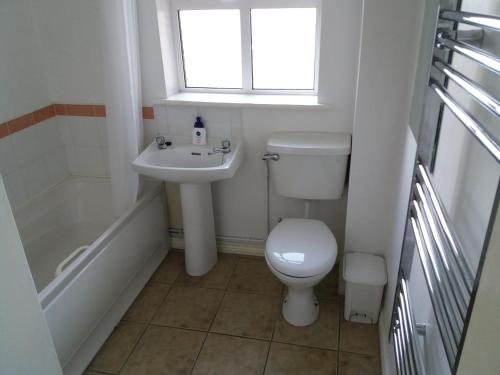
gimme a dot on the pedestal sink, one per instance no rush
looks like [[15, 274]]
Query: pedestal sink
[[194, 168]]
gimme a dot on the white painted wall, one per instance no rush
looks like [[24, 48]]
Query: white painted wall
[[26, 346], [466, 180], [385, 82], [383, 144], [485, 324], [240, 203]]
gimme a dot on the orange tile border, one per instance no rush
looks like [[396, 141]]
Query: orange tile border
[[44, 113], [58, 109], [148, 113], [4, 130], [86, 110], [21, 123], [99, 110]]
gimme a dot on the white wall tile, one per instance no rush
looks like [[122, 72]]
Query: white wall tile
[[57, 165], [26, 145], [85, 131], [48, 135], [150, 128], [180, 120], [217, 121], [8, 161], [15, 187], [103, 133], [36, 177], [65, 130], [72, 160], [91, 161]]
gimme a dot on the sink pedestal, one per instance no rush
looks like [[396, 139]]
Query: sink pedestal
[[199, 229]]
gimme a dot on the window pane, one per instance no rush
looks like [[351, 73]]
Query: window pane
[[283, 48], [211, 46]]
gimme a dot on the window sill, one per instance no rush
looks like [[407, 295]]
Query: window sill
[[244, 101]]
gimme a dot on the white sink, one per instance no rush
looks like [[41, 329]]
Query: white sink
[[194, 168], [186, 163]]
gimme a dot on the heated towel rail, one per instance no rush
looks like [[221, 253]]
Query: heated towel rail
[[449, 278]]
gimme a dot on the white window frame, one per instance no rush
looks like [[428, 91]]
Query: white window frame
[[246, 44]]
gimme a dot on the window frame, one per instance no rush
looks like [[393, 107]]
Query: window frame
[[245, 7]]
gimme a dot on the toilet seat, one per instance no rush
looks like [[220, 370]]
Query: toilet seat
[[301, 248]]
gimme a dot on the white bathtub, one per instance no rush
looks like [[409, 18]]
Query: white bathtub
[[84, 302]]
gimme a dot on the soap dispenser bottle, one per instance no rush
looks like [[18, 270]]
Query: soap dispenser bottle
[[199, 133]]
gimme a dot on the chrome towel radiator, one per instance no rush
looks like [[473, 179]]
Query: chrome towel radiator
[[450, 280]]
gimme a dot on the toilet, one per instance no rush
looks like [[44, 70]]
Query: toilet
[[300, 252]]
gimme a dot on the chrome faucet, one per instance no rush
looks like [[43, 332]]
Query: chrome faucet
[[162, 142], [225, 147]]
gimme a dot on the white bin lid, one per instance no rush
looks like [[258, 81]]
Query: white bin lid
[[310, 143], [364, 269]]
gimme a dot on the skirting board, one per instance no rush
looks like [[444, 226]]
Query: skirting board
[[386, 349], [229, 247]]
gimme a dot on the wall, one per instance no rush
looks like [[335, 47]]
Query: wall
[[385, 78], [68, 38], [484, 324], [70, 34], [463, 177], [32, 158], [240, 203], [383, 143], [26, 346]]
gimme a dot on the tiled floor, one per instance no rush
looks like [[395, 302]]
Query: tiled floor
[[229, 322]]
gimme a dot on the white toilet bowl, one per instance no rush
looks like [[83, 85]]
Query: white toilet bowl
[[300, 253]]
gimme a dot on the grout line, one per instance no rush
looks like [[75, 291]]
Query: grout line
[[193, 365], [133, 348], [207, 332], [339, 305], [305, 346], [232, 273], [358, 353], [274, 329]]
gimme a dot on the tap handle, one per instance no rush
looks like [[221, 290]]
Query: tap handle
[[160, 140], [226, 143]]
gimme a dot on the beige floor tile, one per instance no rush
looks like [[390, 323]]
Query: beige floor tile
[[147, 302], [117, 347], [326, 290], [164, 350], [358, 338], [217, 278], [188, 307], [359, 364], [292, 359], [253, 275], [230, 355], [248, 315], [170, 268], [323, 333]]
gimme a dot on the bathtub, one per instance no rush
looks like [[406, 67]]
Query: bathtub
[[116, 257]]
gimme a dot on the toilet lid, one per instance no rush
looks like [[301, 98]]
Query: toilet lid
[[301, 248]]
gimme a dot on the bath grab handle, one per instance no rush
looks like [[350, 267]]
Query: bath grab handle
[[273, 157], [69, 259]]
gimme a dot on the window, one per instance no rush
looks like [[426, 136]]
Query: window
[[247, 46], [211, 48]]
